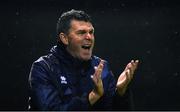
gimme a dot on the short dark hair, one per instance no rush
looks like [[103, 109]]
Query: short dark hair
[[64, 22]]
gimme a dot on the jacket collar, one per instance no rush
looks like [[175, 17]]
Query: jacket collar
[[64, 57]]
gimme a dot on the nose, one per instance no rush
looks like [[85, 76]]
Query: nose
[[89, 36]]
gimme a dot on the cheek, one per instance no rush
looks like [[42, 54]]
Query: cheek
[[75, 44]]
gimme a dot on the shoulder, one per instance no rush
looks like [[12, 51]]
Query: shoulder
[[46, 60], [42, 65]]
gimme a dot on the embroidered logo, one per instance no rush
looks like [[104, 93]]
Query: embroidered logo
[[63, 80]]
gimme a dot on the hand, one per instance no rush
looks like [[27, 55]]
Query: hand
[[126, 77], [98, 90]]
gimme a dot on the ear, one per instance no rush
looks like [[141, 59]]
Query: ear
[[63, 37]]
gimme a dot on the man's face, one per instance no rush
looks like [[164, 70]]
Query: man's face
[[80, 40]]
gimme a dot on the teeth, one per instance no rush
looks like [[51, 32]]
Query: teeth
[[86, 46]]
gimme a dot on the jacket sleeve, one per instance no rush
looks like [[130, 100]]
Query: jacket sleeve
[[123, 102], [44, 96]]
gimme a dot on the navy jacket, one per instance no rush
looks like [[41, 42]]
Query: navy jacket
[[73, 78]]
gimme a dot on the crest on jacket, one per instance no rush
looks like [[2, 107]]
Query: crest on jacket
[[63, 80]]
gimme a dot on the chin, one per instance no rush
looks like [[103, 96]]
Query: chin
[[86, 58]]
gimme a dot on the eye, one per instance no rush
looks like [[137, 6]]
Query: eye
[[81, 32], [91, 32]]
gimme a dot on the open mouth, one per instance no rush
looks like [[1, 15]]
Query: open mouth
[[86, 46]]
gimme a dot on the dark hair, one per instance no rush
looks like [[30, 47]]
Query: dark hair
[[64, 22]]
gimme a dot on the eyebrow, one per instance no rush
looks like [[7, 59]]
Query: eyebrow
[[91, 30]]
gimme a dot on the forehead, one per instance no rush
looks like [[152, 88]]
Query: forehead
[[81, 25]]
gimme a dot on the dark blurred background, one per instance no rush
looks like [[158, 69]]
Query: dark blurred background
[[148, 30]]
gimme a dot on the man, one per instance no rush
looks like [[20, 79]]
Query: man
[[70, 77]]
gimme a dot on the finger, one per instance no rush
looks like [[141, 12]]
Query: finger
[[99, 69], [130, 72], [94, 76], [127, 75], [134, 67], [132, 61], [94, 79], [136, 64], [130, 69], [128, 66]]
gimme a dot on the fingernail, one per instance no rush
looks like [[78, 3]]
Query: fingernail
[[95, 67], [102, 61], [91, 76], [137, 61]]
